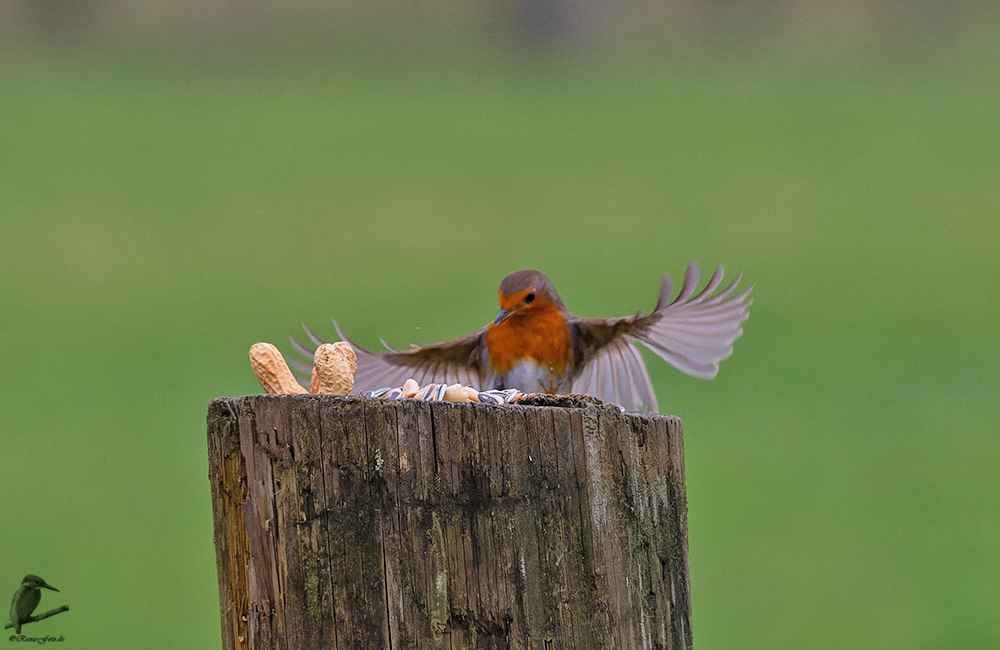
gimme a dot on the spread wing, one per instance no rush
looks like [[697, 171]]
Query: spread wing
[[616, 372], [456, 361], [693, 332]]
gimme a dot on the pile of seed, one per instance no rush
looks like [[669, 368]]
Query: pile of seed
[[446, 393]]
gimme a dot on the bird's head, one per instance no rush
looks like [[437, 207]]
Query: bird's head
[[524, 292], [35, 582]]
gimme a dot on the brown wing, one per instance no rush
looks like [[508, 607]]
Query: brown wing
[[692, 332], [615, 371], [457, 361]]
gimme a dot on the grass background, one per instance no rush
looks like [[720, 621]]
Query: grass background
[[165, 204]]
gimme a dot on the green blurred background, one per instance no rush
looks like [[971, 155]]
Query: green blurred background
[[178, 182]]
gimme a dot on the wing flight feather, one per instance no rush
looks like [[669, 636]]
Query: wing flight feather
[[459, 360], [693, 332]]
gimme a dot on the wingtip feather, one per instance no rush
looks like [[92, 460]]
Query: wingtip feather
[[666, 291], [317, 341], [301, 349]]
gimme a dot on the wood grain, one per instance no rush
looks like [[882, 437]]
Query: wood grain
[[343, 522]]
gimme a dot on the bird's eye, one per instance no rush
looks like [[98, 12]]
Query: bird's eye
[[530, 297]]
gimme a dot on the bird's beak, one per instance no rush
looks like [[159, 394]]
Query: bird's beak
[[48, 587], [502, 316]]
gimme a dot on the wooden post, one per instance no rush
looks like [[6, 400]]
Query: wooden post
[[354, 523]]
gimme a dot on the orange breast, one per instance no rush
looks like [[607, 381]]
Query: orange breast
[[541, 334]]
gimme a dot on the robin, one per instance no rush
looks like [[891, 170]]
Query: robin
[[535, 344]]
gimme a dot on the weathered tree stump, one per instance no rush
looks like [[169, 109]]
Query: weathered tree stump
[[354, 523]]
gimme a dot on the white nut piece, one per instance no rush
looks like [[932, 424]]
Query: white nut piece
[[410, 387], [456, 393]]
